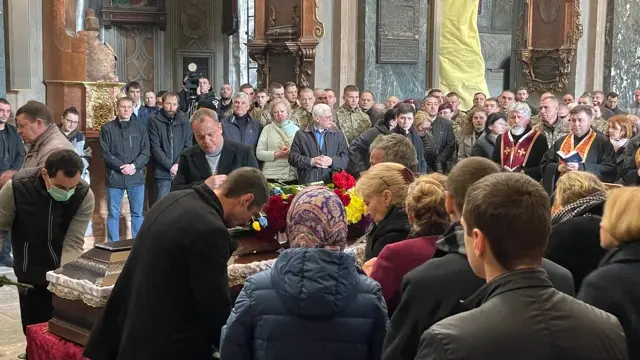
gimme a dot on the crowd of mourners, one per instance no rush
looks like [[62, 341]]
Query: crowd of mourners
[[506, 231]]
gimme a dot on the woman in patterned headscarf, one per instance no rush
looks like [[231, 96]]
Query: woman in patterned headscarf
[[313, 287]]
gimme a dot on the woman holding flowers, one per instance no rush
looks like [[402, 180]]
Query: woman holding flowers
[[274, 143], [384, 190]]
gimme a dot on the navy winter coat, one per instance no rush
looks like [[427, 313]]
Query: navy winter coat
[[314, 304]]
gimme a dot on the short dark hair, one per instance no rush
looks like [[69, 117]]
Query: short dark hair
[[289, 84], [453, 93], [132, 85], [275, 85], [597, 92], [404, 108], [169, 94], [523, 88], [34, 110], [350, 88], [161, 93], [432, 91], [492, 99], [466, 173], [4, 101], [389, 115], [480, 93], [247, 180], [71, 110], [67, 161], [369, 92], [517, 231], [246, 86], [612, 95], [583, 108]]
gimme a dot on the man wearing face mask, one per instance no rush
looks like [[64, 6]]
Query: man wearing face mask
[[522, 148], [47, 209], [169, 135]]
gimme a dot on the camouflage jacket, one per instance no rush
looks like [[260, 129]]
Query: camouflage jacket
[[254, 112], [352, 122], [457, 122], [553, 133], [302, 117], [265, 118], [601, 125]]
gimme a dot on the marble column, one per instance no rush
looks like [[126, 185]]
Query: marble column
[[622, 73], [402, 80], [3, 65], [345, 26], [326, 46], [589, 59], [24, 46]]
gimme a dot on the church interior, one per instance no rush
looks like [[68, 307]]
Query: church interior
[[81, 53]]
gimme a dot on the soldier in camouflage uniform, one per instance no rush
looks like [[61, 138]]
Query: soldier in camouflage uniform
[[302, 115], [598, 123], [276, 92], [291, 94], [350, 119], [553, 116]]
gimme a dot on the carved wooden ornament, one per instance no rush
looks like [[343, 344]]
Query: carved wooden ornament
[[547, 36]]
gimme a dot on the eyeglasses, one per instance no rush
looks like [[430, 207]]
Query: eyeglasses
[[72, 122]]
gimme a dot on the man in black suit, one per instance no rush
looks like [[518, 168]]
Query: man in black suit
[[213, 157], [172, 296]]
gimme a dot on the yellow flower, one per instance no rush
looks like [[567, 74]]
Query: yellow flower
[[283, 196], [356, 208], [256, 226]]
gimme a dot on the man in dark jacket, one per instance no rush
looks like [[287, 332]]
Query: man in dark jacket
[[434, 290], [319, 148], [442, 131], [169, 135], [404, 119], [240, 126], [47, 210], [359, 148], [140, 113], [517, 314], [125, 151], [172, 297], [12, 148], [213, 157]]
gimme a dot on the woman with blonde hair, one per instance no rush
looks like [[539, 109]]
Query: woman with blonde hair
[[574, 241], [615, 285], [384, 190], [274, 143], [473, 127], [429, 219]]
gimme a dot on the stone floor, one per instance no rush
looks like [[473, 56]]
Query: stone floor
[[12, 341]]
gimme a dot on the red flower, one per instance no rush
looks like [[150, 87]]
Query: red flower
[[343, 180], [344, 197], [276, 212]]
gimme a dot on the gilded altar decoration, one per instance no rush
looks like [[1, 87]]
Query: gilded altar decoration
[[101, 99], [547, 36]]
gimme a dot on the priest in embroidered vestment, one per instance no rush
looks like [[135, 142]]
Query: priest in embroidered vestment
[[520, 149], [583, 150]]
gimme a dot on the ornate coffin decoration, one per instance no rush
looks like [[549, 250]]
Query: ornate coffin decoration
[[547, 35], [134, 12], [285, 40]]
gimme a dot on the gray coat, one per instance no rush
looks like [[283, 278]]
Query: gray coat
[[305, 147]]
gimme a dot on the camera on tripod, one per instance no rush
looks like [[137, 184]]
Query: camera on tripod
[[191, 81]]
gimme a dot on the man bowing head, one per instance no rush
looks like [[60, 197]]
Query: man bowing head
[[172, 297], [582, 150]]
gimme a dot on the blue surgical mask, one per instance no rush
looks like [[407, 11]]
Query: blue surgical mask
[[60, 195]]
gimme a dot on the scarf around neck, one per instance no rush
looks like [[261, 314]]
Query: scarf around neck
[[578, 208]]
